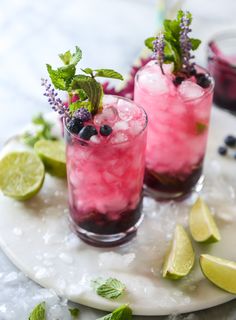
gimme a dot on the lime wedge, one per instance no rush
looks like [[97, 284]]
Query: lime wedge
[[219, 271], [21, 175], [53, 156], [180, 258], [202, 224]]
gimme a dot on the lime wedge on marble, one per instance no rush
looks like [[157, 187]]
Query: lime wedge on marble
[[219, 271], [202, 224], [180, 257], [21, 175], [53, 156]]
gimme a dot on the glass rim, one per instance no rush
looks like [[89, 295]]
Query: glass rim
[[206, 92], [88, 142]]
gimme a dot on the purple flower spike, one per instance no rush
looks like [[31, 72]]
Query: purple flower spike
[[56, 103], [158, 50], [185, 42], [83, 114]]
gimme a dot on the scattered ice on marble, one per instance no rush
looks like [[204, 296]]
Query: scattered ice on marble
[[41, 272], [113, 260], [47, 237], [17, 231], [72, 241], [10, 277], [66, 258]]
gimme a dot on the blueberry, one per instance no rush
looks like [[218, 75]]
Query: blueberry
[[105, 130], [87, 132], [178, 80], [222, 150], [203, 80], [193, 72], [75, 125], [230, 141]]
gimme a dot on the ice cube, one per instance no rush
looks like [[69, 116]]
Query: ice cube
[[121, 125], [119, 137], [108, 115], [95, 139], [190, 90], [126, 110], [154, 81]]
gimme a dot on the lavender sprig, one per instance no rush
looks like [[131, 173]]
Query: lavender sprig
[[55, 102], [185, 42], [158, 50]]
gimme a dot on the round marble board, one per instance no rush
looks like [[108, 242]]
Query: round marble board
[[36, 237]]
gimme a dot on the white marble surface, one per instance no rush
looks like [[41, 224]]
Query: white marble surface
[[111, 34]]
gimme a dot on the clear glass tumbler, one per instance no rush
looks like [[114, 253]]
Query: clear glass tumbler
[[105, 174], [178, 120]]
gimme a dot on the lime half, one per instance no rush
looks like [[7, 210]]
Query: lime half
[[180, 258], [219, 271], [53, 156], [202, 224], [21, 175]]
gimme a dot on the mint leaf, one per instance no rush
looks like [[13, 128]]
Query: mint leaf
[[122, 313], [74, 312], [38, 313], [66, 57], [111, 289], [80, 104], [201, 127], [44, 131], [195, 43], [61, 77], [58, 82], [76, 57], [108, 73], [149, 42], [88, 71], [92, 88]]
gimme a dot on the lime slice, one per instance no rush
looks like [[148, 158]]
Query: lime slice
[[202, 224], [180, 258], [219, 271], [21, 175], [53, 156]]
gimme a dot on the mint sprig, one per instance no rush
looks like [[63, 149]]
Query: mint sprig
[[74, 312], [39, 312], [176, 40], [43, 131], [88, 89], [122, 313], [109, 289]]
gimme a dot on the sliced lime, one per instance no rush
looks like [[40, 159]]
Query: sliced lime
[[202, 224], [53, 156], [180, 257], [219, 271], [21, 175]]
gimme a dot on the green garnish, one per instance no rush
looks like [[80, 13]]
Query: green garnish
[[85, 85], [43, 131], [109, 289], [201, 127], [38, 313], [177, 42], [122, 313], [74, 312]]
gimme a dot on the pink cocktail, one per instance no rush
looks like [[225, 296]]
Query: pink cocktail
[[105, 174], [178, 110]]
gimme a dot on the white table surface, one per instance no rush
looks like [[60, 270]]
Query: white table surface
[[110, 33]]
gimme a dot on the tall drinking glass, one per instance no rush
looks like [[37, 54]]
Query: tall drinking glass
[[178, 124], [105, 174]]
